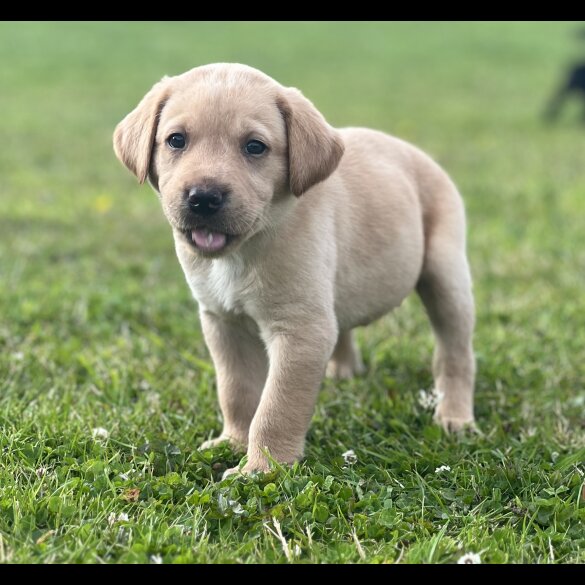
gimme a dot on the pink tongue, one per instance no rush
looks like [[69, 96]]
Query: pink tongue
[[208, 241]]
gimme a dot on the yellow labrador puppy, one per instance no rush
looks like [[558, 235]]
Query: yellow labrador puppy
[[291, 233]]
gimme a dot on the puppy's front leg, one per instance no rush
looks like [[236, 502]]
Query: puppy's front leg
[[241, 366], [298, 357]]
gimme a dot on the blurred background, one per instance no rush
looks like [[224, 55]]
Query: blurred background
[[87, 268]]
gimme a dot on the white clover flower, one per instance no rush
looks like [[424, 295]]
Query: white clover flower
[[469, 559], [156, 560], [429, 400], [442, 468], [100, 433], [236, 507], [113, 518], [349, 457], [153, 400]]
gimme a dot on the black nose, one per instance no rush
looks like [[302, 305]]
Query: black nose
[[205, 201]]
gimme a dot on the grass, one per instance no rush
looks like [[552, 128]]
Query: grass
[[98, 329]]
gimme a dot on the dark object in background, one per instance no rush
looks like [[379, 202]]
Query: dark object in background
[[575, 84]]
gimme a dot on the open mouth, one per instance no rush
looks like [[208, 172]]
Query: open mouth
[[207, 240]]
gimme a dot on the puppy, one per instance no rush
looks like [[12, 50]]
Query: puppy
[[290, 234]]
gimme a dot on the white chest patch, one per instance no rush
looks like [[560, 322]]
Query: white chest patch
[[225, 286]]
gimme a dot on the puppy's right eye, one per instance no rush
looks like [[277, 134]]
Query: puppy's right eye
[[176, 141]]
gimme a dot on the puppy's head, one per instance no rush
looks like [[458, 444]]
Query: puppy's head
[[222, 145]]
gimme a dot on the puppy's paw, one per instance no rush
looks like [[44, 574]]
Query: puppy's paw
[[230, 471], [344, 370], [454, 424], [260, 464], [235, 444], [246, 469]]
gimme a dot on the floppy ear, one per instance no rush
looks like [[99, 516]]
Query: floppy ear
[[134, 135], [314, 147]]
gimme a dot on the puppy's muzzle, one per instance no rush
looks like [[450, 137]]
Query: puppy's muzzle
[[205, 201]]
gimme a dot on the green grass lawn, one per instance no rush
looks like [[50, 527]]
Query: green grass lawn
[[98, 328]]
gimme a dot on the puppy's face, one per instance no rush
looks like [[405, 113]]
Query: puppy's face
[[222, 144]]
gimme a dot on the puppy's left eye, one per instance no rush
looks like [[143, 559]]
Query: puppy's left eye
[[255, 147], [176, 141]]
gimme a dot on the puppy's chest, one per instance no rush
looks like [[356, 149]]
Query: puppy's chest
[[224, 287]]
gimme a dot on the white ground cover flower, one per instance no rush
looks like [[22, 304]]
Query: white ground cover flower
[[429, 400], [469, 559], [113, 518], [349, 457], [100, 433]]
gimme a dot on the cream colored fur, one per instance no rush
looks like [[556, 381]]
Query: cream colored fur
[[329, 229]]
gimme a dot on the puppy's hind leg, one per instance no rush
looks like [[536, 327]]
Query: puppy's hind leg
[[346, 360], [445, 289]]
